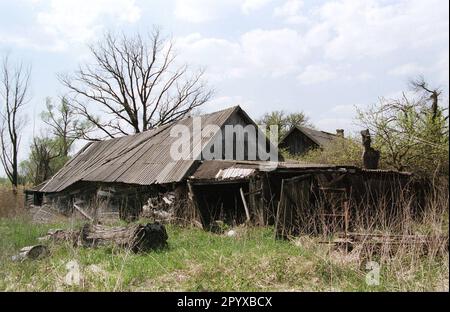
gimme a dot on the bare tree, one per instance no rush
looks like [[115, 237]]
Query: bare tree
[[421, 86], [14, 89], [136, 83]]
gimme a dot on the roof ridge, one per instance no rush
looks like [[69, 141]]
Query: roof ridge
[[231, 108], [317, 130]]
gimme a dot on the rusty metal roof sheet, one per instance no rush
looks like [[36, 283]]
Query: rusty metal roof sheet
[[143, 158], [233, 169], [234, 173]]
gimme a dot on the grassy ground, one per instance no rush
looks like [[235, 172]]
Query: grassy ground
[[198, 260]]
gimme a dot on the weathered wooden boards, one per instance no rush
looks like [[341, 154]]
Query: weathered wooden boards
[[374, 243]]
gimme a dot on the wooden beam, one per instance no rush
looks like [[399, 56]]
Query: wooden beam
[[277, 218], [254, 192], [247, 213], [84, 214]]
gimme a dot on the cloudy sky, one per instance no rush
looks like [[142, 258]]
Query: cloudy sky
[[321, 57]]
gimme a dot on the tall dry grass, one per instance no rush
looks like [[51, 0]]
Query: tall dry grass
[[406, 235], [12, 202]]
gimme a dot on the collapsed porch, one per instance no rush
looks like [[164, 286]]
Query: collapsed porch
[[301, 198]]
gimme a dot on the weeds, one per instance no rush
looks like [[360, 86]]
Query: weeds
[[250, 261], [200, 260]]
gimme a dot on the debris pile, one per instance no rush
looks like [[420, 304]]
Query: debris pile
[[160, 208], [379, 243]]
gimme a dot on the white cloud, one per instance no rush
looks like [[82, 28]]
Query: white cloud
[[78, 20], [264, 52], [409, 69], [344, 31], [341, 39], [442, 68], [222, 58], [344, 109], [222, 102], [290, 12], [199, 11], [30, 42], [374, 28], [253, 5], [316, 74], [58, 23], [202, 11], [276, 51], [330, 124]]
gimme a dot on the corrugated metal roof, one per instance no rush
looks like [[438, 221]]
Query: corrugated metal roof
[[234, 173], [143, 158], [321, 138]]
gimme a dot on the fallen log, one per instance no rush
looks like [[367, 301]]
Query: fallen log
[[136, 237]]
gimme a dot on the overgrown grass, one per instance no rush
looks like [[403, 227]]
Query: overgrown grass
[[199, 260]]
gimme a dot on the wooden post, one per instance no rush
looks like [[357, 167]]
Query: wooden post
[[195, 216], [277, 218], [346, 218], [247, 213]]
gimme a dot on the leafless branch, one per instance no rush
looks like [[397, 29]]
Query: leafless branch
[[14, 89], [136, 83]]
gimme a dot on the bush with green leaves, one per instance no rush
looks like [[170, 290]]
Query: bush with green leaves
[[340, 151], [411, 134]]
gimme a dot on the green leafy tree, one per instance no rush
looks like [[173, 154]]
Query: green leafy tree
[[284, 121], [64, 124], [50, 151], [45, 159]]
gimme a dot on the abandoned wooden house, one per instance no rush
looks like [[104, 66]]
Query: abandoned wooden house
[[119, 175], [127, 175], [298, 140]]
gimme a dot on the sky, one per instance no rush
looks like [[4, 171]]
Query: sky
[[321, 57]]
